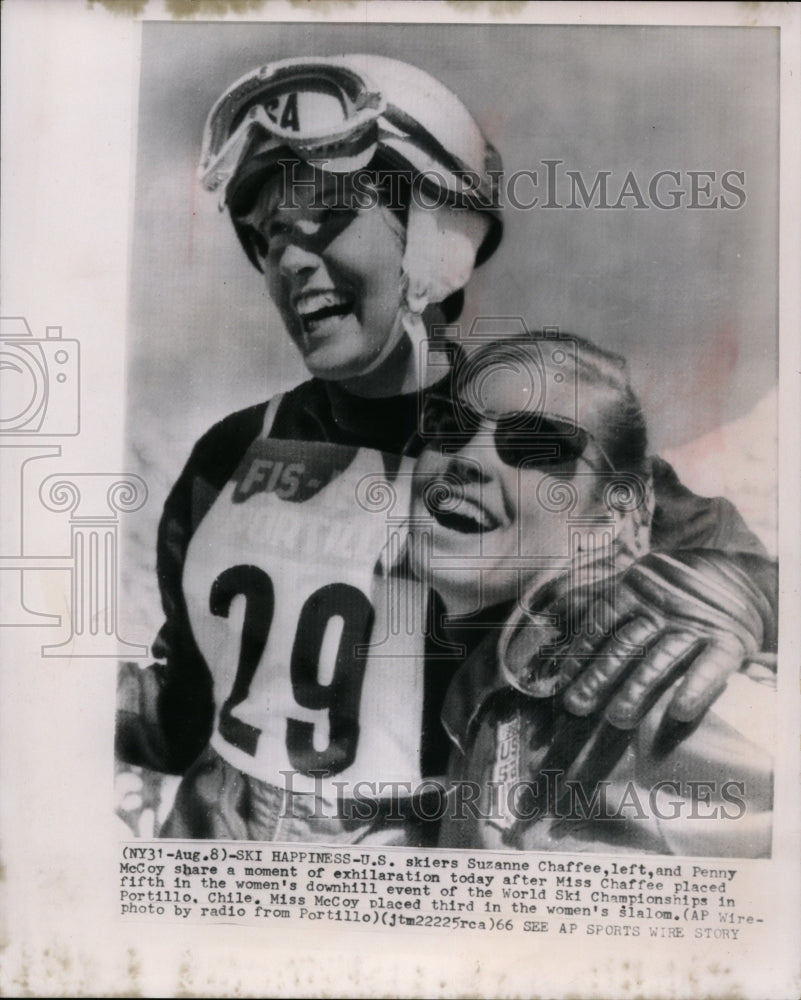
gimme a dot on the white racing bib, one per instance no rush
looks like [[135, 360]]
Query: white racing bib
[[316, 654]]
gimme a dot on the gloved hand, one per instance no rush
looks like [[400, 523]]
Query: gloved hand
[[618, 646]]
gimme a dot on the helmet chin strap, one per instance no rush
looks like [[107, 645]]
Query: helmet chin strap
[[441, 248], [439, 256], [392, 342], [407, 329]]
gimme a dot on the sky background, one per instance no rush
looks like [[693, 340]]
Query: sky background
[[689, 296]]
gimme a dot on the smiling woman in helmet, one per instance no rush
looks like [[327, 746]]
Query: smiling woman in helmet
[[295, 708], [364, 172]]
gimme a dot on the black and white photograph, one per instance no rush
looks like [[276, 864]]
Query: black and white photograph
[[427, 579], [403, 530]]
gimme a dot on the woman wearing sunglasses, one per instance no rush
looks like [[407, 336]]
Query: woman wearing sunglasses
[[365, 193], [531, 518]]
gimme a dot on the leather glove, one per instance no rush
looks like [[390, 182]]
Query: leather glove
[[697, 614]]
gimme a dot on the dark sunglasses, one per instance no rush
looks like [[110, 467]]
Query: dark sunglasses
[[274, 236], [531, 439]]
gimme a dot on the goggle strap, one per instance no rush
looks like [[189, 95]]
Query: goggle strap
[[406, 127]]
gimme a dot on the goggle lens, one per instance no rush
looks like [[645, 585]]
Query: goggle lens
[[297, 111], [319, 111]]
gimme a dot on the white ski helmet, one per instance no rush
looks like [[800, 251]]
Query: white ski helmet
[[338, 113]]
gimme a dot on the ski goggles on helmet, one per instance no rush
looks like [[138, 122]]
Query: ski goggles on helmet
[[322, 112], [337, 113]]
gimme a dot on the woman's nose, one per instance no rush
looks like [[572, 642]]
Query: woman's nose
[[473, 464], [479, 455], [301, 252], [297, 258]]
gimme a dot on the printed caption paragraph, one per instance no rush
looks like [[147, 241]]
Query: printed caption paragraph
[[214, 883]]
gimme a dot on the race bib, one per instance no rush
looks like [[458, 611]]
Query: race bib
[[315, 649]]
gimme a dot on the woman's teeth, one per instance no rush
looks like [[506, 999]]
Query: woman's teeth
[[318, 306], [468, 516]]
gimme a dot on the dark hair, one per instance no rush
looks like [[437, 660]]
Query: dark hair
[[622, 431]]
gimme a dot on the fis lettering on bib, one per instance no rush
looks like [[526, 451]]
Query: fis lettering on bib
[[293, 470]]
